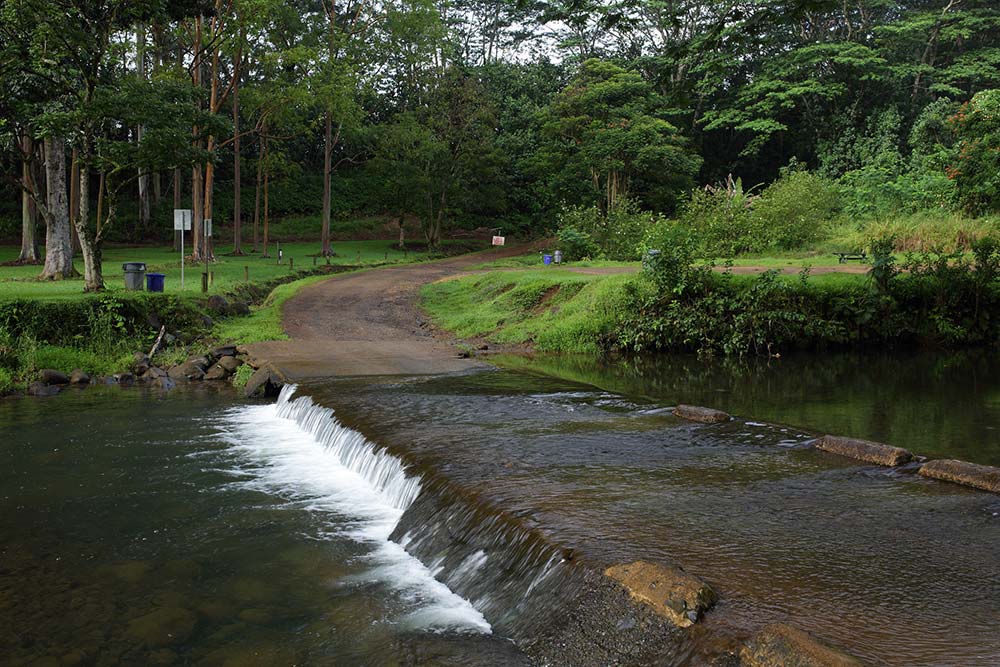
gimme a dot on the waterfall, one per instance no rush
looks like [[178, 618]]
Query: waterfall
[[383, 471]]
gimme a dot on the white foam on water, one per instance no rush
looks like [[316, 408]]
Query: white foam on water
[[299, 451]]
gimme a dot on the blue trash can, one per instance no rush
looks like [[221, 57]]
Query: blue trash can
[[546, 259], [154, 282]]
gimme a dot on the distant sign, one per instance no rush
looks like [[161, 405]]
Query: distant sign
[[182, 219], [207, 226], [499, 240]]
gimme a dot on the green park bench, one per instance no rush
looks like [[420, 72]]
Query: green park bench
[[845, 257]]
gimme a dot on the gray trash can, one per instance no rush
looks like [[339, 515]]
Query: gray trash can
[[558, 257], [135, 275]]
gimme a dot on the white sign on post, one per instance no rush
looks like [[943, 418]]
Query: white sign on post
[[182, 223], [499, 240], [207, 227], [182, 220]]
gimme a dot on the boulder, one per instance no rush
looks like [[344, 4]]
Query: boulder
[[674, 594], [200, 360], [153, 373], [986, 478], [50, 376], [699, 414], [240, 308], [217, 372], [79, 377], [39, 388], [864, 450], [140, 363], [187, 371], [163, 382], [222, 351], [780, 645], [124, 378], [218, 304], [230, 363], [264, 382]]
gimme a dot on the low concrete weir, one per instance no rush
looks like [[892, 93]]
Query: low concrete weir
[[985, 478], [864, 450], [557, 609]]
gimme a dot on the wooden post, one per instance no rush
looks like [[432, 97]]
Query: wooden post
[[246, 274], [204, 282], [314, 260], [291, 264]]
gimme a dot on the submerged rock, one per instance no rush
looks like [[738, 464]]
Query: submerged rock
[[163, 627], [986, 478], [680, 597], [51, 376], [864, 450], [697, 413], [41, 389], [780, 645]]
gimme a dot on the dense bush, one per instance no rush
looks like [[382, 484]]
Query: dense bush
[[615, 235], [942, 299], [794, 210], [723, 221]]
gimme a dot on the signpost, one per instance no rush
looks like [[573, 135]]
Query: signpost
[[182, 223]]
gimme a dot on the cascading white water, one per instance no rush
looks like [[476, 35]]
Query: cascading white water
[[298, 450]]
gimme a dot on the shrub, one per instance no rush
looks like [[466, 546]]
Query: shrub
[[671, 266], [242, 375], [576, 244], [722, 219], [793, 210]]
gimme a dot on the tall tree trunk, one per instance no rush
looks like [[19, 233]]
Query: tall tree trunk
[[327, 153], [267, 174], [29, 212], [237, 176], [58, 239], [262, 153], [90, 243], [197, 182], [177, 204], [74, 196], [144, 180]]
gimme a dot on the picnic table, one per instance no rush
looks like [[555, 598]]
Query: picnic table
[[845, 257]]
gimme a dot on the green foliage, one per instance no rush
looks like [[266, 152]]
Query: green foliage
[[883, 269], [794, 210], [722, 219], [976, 169], [242, 376], [669, 253], [576, 244]]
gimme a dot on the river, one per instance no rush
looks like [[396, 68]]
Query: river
[[194, 528]]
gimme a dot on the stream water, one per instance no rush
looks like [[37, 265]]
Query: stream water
[[192, 528]]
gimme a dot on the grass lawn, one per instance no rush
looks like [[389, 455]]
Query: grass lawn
[[21, 282]]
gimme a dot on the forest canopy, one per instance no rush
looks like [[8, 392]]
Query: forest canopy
[[532, 116]]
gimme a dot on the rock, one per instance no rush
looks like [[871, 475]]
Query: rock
[[230, 363], [40, 389], [200, 360], [207, 321], [673, 593], [222, 351], [240, 308], [217, 372], [163, 627], [124, 378], [264, 382], [986, 478], [699, 414], [165, 383], [780, 645], [79, 377], [218, 304], [140, 363], [483, 347], [186, 371], [153, 373], [50, 376], [864, 450]]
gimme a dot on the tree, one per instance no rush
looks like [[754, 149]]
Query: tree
[[606, 130], [976, 168]]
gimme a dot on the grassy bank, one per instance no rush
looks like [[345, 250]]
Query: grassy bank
[[228, 271], [691, 308]]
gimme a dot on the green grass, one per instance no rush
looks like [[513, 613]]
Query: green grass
[[550, 309], [21, 281], [264, 322]]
